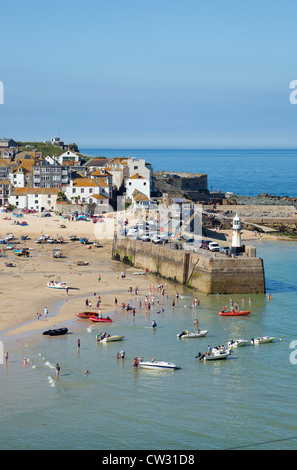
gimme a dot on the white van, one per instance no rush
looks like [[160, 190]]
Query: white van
[[213, 246]]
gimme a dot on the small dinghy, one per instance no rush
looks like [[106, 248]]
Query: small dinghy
[[82, 263], [237, 343], [56, 332], [262, 339], [192, 334]]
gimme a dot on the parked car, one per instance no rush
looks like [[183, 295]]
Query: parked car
[[224, 249], [214, 246], [205, 244]]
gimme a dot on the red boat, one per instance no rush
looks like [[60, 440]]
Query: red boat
[[85, 314], [234, 313], [100, 320]]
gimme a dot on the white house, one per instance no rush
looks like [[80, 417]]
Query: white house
[[20, 177], [138, 183], [68, 156], [34, 198], [87, 190]]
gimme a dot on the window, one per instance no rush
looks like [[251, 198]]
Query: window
[[135, 167], [144, 183], [90, 190], [82, 190], [73, 190]]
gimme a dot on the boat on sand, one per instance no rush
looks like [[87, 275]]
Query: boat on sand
[[56, 332], [57, 285]]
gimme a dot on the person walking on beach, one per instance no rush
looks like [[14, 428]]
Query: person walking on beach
[[99, 278], [45, 312]]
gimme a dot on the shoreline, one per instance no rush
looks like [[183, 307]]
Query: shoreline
[[23, 288]]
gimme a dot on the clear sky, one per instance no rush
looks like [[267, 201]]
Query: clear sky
[[149, 74]]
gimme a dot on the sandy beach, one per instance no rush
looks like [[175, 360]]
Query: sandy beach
[[23, 288]]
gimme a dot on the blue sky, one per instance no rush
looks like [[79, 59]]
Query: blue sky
[[149, 74]]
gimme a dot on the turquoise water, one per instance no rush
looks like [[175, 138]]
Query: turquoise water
[[247, 401], [245, 172]]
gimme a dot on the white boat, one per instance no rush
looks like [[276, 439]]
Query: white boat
[[192, 334], [236, 343], [110, 339], [57, 285], [262, 339], [159, 365], [214, 354]]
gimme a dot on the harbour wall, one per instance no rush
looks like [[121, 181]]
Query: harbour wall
[[205, 271]]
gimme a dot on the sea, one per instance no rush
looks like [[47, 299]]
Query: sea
[[246, 402]]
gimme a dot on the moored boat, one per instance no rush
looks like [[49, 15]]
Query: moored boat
[[110, 339], [157, 365], [82, 263], [262, 339], [192, 334], [237, 343], [214, 354], [234, 313]]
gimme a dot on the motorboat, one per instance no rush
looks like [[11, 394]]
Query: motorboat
[[262, 339], [100, 319], [192, 334], [10, 265], [87, 315], [83, 240], [110, 339], [82, 263], [237, 343], [214, 354], [73, 238], [234, 313], [157, 365], [56, 332], [57, 285]]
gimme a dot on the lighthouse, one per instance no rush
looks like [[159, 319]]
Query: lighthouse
[[236, 236]]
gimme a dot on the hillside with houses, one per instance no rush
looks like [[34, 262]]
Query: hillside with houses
[[52, 175]]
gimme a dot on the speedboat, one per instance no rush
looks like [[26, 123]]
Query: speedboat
[[110, 339], [214, 354], [234, 313], [100, 319], [159, 365], [192, 334], [237, 343], [262, 339], [87, 315], [57, 285]]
